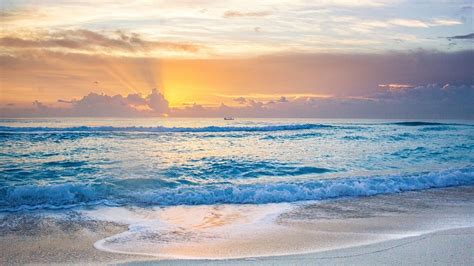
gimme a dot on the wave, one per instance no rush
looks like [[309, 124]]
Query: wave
[[355, 138], [288, 127], [217, 168], [206, 129], [79, 194], [421, 123], [308, 135]]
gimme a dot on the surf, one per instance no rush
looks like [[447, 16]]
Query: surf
[[63, 196]]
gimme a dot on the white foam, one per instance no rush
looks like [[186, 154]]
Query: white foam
[[71, 195], [154, 230], [240, 231]]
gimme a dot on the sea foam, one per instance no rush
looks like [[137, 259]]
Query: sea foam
[[70, 195]]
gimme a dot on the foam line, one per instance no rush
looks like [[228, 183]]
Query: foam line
[[70, 195]]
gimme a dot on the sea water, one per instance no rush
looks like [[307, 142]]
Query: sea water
[[61, 163]]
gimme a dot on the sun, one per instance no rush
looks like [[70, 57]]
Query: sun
[[176, 95]]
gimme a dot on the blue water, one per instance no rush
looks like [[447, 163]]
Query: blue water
[[64, 163]]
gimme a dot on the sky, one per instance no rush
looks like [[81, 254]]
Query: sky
[[282, 58]]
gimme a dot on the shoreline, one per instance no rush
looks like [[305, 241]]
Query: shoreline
[[435, 248], [326, 231]]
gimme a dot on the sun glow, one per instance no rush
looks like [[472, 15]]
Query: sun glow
[[176, 95]]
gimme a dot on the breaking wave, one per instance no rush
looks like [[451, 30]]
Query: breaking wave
[[60, 196]]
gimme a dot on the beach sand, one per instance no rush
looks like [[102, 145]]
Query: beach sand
[[449, 247], [37, 239], [403, 228]]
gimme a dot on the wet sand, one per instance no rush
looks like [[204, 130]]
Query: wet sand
[[449, 247], [406, 228], [37, 239]]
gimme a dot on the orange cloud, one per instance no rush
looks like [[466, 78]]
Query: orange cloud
[[87, 40], [428, 101]]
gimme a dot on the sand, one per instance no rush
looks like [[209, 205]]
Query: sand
[[449, 247], [45, 240], [407, 228]]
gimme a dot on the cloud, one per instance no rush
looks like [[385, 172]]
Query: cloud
[[98, 105], [409, 23], [445, 22], [87, 40], [236, 14], [415, 23], [136, 99], [311, 26], [132, 105], [396, 86], [430, 101], [469, 36], [263, 96], [157, 102], [240, 100], [102, 105], [283, 99], [297, 75]]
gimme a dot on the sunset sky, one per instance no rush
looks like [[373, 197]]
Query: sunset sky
[[244, 58]]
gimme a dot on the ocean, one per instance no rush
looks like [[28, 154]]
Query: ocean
[[121, 165], [64, 163]]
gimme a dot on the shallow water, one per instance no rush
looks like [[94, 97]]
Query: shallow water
[[239, 231]]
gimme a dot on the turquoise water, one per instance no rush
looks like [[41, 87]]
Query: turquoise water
[[65, 163]]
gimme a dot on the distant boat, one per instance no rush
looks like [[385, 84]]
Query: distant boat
[[228, 118]]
